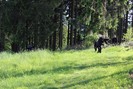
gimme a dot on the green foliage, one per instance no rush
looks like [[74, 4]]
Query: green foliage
[[34, 22], [83, 69], [24, 21], [129, 35], [90, 39], [103, 14]]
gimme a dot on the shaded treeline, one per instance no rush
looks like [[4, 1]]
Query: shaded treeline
[[40, 23]]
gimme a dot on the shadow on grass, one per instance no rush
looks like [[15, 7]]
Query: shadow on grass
[[130, 58], [91, 80], [82, 82], [64, 69]]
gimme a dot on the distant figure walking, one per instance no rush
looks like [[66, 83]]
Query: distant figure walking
[[98, 44], [29, 47]]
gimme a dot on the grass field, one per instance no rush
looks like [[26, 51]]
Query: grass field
[[74, 69]]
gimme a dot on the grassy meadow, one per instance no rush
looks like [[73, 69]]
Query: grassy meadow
[[74, 69]]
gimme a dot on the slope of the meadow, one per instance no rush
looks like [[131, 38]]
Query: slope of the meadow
[[74, 69]]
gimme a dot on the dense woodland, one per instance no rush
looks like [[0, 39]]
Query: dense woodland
[[59, 24]]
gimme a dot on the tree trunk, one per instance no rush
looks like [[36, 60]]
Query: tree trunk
[[2, 40], [50, 43], [132, 19], [75, 30], [120, 30], [111, 33], [46, 44], [61, 28], [68, 36], [54, 41], [126, 23], [72, 18]]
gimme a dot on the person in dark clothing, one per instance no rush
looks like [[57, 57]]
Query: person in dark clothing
[[30, 47], [95, 45], [114, 40], [98, 44]]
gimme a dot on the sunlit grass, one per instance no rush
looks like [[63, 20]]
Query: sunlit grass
[[74, 69]]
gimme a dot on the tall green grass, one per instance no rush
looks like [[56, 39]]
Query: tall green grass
[[74, 69]]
